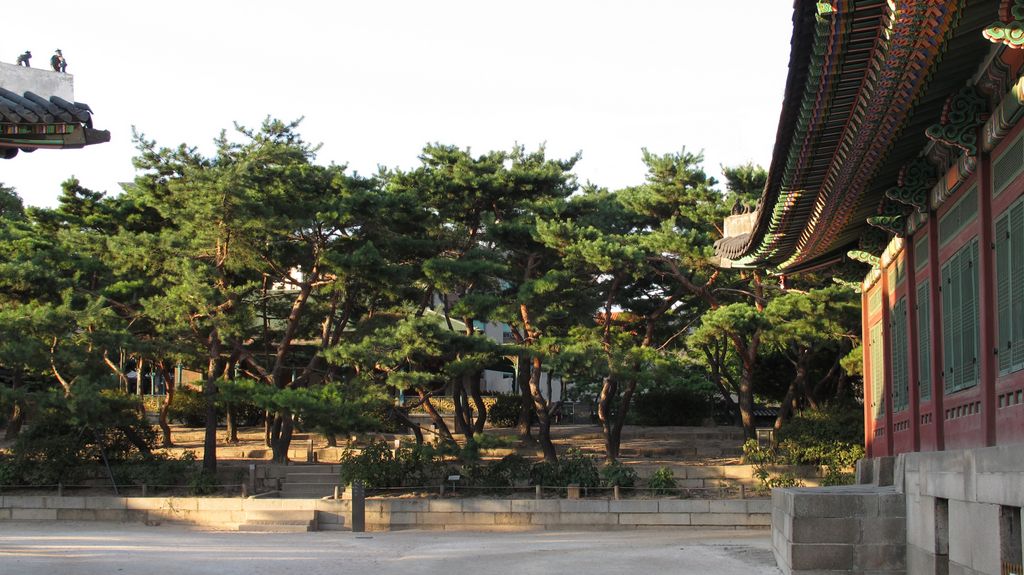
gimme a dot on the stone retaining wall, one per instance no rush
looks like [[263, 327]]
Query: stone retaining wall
[[843, 529], [389, 514]]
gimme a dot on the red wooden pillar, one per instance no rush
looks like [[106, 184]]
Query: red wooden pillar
[[909, 258], [865, 338], [887, 357], [938, 389], [987, 298]]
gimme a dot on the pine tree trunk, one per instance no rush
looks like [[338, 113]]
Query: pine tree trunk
[[15, 422], [18, 413], [461, 416], [231, 423], [526, 402], [478, 401], [614, 442], [442, 428], [169, 388], [609, 389], [269, 420], [282, 439], [746, 400], [543, 417], [401, 416], [214, 371]]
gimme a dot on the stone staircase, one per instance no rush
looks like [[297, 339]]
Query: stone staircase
[[279, 521], [310, 481]]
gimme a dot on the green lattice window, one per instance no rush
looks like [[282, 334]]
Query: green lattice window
[[924, 341], [897, 272], [898, 352], [877, 358], [921, 253], [875, 300], [1009, 253], [960, 335], [1008, 166], [959, 216]]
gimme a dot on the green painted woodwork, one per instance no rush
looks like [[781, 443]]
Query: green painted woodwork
[[921, 253], [1008, 165], [898, 353], [924, 341], [965, 112], [877, 359], [864, 257], [959, 216], [1009, 254], [893, 224], [875, 301], [1010, 33], [960, 326], [915, 181]]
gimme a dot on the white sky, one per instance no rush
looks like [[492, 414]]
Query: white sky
[[376, 80]]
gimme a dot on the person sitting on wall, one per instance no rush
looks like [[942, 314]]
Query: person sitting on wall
[[58, 63], [24, 58]]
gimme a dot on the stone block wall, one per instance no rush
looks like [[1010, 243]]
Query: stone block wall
[[847, 529], [396, 513], [954, 503]]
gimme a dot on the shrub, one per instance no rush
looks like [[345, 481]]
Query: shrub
[[247, 414], [662, 481], [579, 468], [618, 474], [160, 471], [506, 472], [760, 458], [203, 483], [379, 466], [575, 467], [829, 436], [671, 405], [504, 412], [832, 438], [188, 407], [69, 434]]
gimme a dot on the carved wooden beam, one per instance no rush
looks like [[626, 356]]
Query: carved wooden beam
[[964, 112], [1010, 29], [915, 180]]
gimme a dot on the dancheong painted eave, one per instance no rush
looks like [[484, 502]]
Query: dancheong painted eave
[[38, 111], [866, 80]]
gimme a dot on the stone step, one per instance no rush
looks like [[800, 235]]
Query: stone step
[[281, 516], [275, 527], [306, 492], [314, 478], [313, 468]]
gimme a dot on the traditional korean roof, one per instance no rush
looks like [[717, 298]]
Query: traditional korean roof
[[866, 80], [29, 121]]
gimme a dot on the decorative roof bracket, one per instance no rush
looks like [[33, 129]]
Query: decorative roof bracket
[[915, 180], [964, 112], [1010, 29], [895, 224], [865, 257]]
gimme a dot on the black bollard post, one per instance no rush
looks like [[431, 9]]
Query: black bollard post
[[358, 507]]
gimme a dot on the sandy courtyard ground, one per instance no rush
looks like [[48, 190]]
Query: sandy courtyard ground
[[69, 548]]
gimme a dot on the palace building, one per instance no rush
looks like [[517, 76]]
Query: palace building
[[901, 145]]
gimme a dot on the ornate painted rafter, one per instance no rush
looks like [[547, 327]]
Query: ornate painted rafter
[[1009, 30], [910, 46], [964, 113]]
